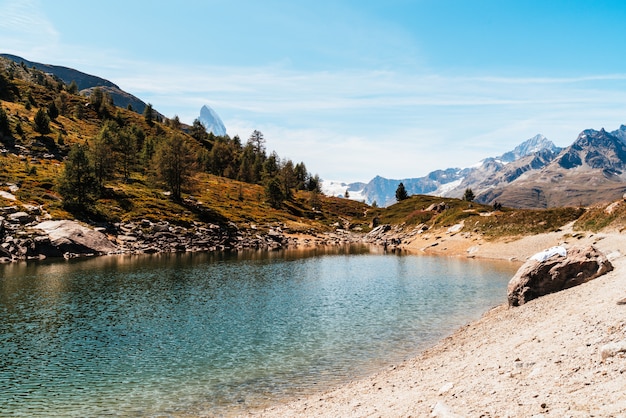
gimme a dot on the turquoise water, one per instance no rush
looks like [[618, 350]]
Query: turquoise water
[[215, 334]]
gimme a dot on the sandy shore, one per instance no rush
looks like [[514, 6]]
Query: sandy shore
[[557, 356]]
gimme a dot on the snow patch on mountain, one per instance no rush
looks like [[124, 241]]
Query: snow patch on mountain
[[452, 182], [339, 188], [530, 146], [447, 187]]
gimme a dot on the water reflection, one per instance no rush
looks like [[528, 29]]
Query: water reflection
[[208, 333]]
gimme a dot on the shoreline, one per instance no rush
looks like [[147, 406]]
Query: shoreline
[[549, 357]]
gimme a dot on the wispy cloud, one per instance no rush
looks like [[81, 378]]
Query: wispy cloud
[[408, 123], [24, 28], [347, 124]]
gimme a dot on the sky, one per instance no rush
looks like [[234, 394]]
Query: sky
[[353, 88]]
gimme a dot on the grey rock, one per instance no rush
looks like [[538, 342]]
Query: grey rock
[[8, 209], [612, 349], [73, 238], [20, 217], [161, 227], [538, 278]]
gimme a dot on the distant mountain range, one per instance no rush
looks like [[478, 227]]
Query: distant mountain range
[[536, 174], [85, 82]]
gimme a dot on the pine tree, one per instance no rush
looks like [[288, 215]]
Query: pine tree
[[198, 131], [5, 127], [288, 179], [246, 168], [78, 184], [302, 176], [314, 184], [53, 110], [274, 193], [401, 193], [468, 195], [96, 98], [72, 88], [148, 114], [102, 152], [42, 122], [257, 140], [127, 145], [271, 165]]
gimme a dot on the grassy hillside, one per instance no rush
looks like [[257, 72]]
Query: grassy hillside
[[505, 222], [32, 163]]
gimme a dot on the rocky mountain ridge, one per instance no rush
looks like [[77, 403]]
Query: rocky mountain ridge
[[591, 170], [85, 82], [535, 174]]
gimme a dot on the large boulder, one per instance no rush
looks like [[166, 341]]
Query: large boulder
[[70, 237], [540, 275]]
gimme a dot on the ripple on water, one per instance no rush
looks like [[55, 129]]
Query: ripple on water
[[212, 333]]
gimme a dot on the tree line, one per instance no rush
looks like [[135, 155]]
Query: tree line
[[173, 160], [124, 146]]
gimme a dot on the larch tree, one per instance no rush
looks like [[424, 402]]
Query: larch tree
[[175, 163], [77, 184], [258, 141], [103, 152]]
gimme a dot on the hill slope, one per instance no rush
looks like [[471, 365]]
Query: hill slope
[[31, 164], [85, 82]]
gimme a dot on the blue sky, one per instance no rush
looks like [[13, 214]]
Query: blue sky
[[353, 88]]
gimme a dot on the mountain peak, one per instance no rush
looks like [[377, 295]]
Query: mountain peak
[[595, 149], [530, 146], [211, 121], [620, 133]]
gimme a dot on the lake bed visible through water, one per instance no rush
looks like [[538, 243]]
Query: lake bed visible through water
[[216, 334]]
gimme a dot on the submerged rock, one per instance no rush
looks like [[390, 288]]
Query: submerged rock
[[537, 278]]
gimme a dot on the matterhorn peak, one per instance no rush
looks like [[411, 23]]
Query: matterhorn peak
[[211, 121]]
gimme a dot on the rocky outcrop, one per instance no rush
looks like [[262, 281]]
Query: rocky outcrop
[[27, 233], [537, 278], [63, 238]]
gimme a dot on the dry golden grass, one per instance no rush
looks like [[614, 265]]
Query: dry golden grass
[[222, 200]]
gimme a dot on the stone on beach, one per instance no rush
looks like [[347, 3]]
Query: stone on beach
[[537, 278], [612, 349]]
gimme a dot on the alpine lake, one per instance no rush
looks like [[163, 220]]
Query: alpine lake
[[217, 334]]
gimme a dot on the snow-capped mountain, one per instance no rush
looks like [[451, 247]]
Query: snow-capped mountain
[[452, 182], [211, 121], [535, 174], [530, 146], [591, 170], [339, 189]]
